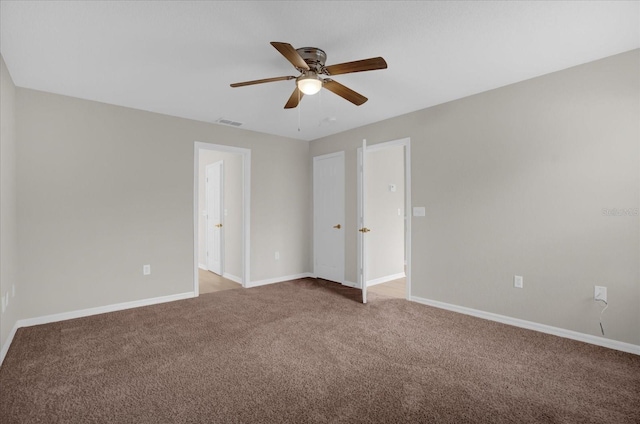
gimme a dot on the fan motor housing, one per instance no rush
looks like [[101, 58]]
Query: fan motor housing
[[314, 57]]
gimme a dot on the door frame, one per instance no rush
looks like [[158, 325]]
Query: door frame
[[221, 212], [406, 143], [340, 154], [246, 207]]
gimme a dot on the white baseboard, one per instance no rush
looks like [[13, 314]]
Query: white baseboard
[[530, 325], [102, 309], [202, 266], [88, 312], [385, 279], [232, 277], [279, 279], [7, 343]]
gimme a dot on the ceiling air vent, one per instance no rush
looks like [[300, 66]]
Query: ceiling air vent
[[224, 121]]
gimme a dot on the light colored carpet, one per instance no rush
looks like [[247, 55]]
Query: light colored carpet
[[308, 351]]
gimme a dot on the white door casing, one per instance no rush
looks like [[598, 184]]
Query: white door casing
[[328, 217], [362, 228], [215, 230]]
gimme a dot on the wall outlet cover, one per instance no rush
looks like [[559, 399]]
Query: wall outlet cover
[[518, 281], [600, 293]]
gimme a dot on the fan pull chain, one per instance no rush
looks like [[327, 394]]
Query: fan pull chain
[[320, 100], [299, 106]]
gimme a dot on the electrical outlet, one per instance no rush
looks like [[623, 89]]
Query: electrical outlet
[[277, 256], [146, 270], [600, 293], [518, 281]]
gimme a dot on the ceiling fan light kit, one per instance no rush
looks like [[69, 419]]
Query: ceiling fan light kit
[[309, 83], [310, 62]]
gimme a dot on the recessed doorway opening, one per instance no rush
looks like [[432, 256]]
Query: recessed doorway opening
[[221, 217]]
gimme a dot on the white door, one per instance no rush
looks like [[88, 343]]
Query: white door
[[362, 227], [214, 217], [328, 214]]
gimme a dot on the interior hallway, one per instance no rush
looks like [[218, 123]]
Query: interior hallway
[[210, 282], [395, 288]]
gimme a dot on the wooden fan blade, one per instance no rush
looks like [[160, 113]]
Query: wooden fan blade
[[260, 81], [357, 66], [344, 92], [291, 55], [294, 99]]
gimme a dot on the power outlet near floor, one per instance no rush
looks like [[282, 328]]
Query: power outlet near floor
[[600, 293], [518, 281], [146, 269]]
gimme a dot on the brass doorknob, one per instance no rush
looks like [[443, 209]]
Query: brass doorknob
[[364, 230], [337, 226], [219, 225]]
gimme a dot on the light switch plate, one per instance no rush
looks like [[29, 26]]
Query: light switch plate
[[419, 211]]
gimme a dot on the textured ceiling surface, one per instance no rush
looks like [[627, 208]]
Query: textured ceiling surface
[[178, 58]]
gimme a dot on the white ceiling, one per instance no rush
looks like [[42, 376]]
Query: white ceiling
[[178, 58]]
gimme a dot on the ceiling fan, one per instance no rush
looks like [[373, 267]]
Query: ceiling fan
[[310, 62]]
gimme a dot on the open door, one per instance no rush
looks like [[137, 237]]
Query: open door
[[362, 227], [214, 217], [366, 243]]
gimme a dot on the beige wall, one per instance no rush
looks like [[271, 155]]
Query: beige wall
[[514, 181], [8, 217], [103, 190], [385, 242], [232, 192]]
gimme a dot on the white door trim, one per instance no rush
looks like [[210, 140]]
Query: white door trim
[[246, 207], [406, 142], [340, 154], [362, 245]]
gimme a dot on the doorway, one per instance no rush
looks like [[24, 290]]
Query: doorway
[[221, 217], [384, 204]]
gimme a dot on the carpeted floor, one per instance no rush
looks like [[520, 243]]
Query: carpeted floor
[[307, 352]]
